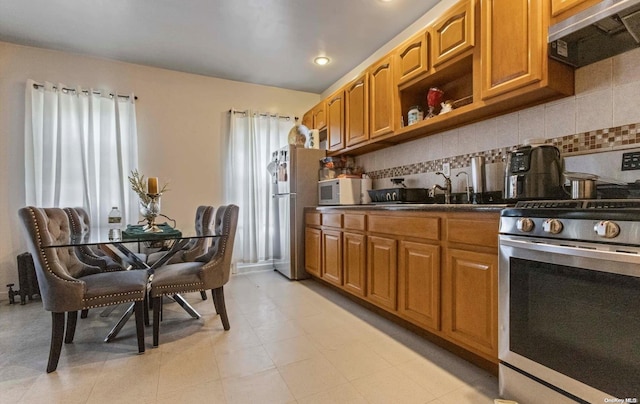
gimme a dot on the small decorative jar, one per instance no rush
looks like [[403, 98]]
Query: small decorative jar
[[415, 115]]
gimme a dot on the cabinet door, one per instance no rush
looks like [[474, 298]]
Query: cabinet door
[[307, 119], [312, 245], [354, 260], [382, 271], [335, 121], [381, 97], [470, 300], [419, 283], [453, 32], [320, 116], [412, 58], [513, 45], [357, 111], [332, 256]]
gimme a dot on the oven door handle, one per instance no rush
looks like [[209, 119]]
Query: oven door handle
[[631, 255]]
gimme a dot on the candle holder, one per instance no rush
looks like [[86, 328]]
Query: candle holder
[[150, 211]]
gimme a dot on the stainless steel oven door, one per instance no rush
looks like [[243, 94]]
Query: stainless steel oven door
[[569, 315]]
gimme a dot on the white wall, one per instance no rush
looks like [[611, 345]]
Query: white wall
[[181, 121]]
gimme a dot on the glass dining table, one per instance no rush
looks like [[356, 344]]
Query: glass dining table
[[121, 249]]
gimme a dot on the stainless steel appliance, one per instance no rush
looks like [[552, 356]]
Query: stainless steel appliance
[[533, 172], [569, 301], [606, 29], [294, 182]]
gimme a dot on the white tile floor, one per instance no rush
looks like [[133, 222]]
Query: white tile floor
[[290, 342]]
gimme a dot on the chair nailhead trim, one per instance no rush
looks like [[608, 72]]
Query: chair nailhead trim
[[112, 295]]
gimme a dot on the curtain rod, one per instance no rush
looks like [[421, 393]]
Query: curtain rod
[[64, 89], [288, 118]]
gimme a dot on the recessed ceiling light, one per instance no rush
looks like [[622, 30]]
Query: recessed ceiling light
[[321, 60]]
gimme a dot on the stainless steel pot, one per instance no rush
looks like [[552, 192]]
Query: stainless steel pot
[[582, 185], [583, 189]]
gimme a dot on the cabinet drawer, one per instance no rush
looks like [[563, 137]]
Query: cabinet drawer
[[332, 219], [485, 232], [312, 219], [410, 226], [354, 222]]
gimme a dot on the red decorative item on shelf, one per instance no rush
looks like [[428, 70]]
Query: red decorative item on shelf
[[434, 98]]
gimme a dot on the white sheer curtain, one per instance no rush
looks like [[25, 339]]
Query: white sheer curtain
[[80, 146], [253, 136]]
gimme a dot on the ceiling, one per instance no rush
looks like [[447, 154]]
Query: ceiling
[[269, 42]]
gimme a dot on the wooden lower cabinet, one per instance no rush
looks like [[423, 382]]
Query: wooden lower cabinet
[[470, 300], [419, 284], [438, 271], [382, 256], [312, 248], [332, 256], [354, 263]]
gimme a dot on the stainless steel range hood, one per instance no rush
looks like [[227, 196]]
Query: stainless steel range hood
[[609, 28]]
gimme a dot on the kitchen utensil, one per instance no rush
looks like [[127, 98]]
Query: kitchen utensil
[[582, 185], [478, 175]]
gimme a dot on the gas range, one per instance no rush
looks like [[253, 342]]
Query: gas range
[[615, 221]]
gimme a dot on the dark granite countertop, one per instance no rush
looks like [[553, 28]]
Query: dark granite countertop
[[436, 207]]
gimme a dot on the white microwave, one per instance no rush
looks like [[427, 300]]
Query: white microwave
[[344, 191]]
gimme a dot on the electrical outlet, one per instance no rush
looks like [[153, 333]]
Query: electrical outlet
[[630, 161], [446, 169]]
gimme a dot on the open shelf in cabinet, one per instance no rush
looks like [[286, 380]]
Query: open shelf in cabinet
[[456, 81]]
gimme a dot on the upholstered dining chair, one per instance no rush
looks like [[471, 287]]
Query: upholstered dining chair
[[68, 285], [209, 271], [195, 247], [79, 223]]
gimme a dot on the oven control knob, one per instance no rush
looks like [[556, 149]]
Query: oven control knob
[[525, 224], [607, 229], [553, 226]]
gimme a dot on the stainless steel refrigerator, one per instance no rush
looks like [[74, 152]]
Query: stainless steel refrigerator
[[294, 185]]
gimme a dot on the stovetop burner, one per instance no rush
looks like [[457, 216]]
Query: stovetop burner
[[595, 220]]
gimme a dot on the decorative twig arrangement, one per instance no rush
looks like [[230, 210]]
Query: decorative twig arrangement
[[139, 186]]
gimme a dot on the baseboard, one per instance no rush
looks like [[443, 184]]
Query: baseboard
[[257, 267]]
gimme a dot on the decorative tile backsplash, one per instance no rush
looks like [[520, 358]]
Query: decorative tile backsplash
[[596, 141]]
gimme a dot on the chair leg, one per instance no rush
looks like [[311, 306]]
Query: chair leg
[[215, 301], [84, 313], [157, 307], [218, 296], [72, 320], [57, 334], [145, 306], [139, 310], [203, 294]]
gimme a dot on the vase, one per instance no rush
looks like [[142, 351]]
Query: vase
[[149, 211]]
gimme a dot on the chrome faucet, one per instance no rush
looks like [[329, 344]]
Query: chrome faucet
[[466, 187], [446, 188]]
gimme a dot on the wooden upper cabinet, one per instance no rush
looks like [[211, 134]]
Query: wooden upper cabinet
[[307, 119], [563, 9], [453, 32], [381, 98], [320, 115], [412, 58], [513, 45], [335, 121], [357, 111]]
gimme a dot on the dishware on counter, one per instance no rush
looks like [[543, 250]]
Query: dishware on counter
[[399, 194]]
